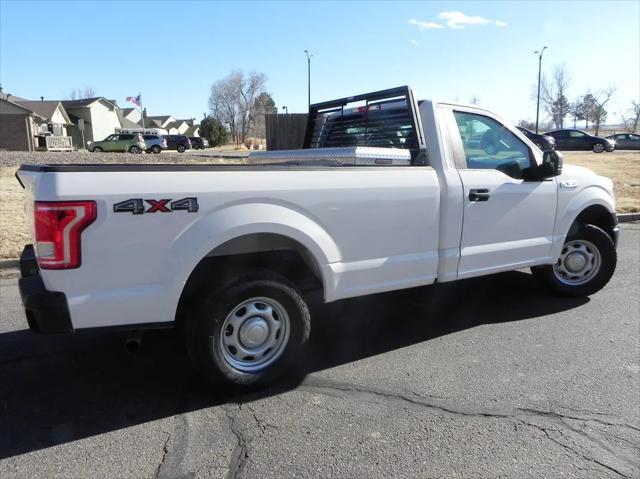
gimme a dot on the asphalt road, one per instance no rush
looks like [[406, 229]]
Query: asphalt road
[[488, 377]]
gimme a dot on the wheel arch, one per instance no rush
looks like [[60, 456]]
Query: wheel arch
[[266, 235], [592, 205]]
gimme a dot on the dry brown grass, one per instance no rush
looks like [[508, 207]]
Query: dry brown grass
[[623, 168], [13, 223]]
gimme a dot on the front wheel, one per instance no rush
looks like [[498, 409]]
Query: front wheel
[[598, 148], [249, 332], [155, 149], [586, 263]]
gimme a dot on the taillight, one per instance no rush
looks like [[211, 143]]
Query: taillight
[[58, 226], [164, 142]]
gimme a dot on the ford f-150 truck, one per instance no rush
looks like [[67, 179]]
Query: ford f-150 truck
[[387, 193]]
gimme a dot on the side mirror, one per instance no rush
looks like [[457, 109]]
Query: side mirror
[[551, 164]]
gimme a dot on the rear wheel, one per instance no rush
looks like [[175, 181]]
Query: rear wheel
[[249, 332], [135, 150], [586, 263], [97, 149], [598, 148], [180, 148], [155, 149]]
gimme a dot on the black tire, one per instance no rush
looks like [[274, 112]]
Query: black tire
[[592, 237], [135, 150], [180, 148], [155, 149], [203, 330], [97, 149], [598, 148]]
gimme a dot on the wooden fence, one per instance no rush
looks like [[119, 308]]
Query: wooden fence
[[59, 143], [285, 132]]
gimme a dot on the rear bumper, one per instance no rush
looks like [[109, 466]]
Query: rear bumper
[[47, 311]]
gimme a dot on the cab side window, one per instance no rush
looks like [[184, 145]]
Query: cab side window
[[490, 145]]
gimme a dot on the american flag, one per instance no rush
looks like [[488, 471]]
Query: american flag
[[135, 100]]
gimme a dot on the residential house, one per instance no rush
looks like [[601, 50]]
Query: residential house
[[101, 117], [177, 127], [33, 125], [18, 127], [132, 114], [160, 121], [193, 130], [52, 134]]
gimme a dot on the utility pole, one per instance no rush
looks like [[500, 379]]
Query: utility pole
[[539, 76], [309, 55]]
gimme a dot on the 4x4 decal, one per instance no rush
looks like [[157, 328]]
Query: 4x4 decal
[[136, 206]]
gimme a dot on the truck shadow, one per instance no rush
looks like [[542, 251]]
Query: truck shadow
[[57, 389]]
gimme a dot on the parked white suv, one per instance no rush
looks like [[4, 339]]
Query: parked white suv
[[387, 194]]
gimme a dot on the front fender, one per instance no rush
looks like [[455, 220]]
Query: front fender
[[230, 222], [568, 212]]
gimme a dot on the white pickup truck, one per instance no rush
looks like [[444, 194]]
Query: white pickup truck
[[387, 193]]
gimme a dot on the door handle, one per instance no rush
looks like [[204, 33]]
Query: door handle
[[481, 194]]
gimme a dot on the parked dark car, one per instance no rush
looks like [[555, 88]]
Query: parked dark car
[[180, 143], [199, 143], [626, 141], [579, 140], [544, 142]]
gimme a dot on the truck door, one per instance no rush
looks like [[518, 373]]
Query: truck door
[[508, 222]]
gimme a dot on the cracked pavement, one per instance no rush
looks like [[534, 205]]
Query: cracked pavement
[[490, 377]]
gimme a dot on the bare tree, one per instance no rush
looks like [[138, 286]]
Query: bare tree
[[233, 100], [631, 118], [78, 94], [577, 110], [554, 95], [88, 92], [599, 112]]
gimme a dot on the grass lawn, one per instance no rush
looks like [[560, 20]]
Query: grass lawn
[[623, 168]]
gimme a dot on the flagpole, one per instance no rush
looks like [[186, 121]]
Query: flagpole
[[141, 110]]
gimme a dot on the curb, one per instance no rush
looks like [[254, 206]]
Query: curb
[[622, 218], [625, 217], [9, 263]]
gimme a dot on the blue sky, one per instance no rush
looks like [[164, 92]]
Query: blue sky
[[174, 51]]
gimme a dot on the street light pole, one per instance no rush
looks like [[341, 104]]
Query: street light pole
[[286, 109], [539, 76], [309, 55]]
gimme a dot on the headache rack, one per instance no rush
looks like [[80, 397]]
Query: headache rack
[[385, 119]]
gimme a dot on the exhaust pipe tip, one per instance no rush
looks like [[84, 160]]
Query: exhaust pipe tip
[[133, 343]]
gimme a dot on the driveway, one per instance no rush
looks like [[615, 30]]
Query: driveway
[[489, 377]]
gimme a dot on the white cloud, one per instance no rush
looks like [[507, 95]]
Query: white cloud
[[456, 21], [425, 25], [413, 42]]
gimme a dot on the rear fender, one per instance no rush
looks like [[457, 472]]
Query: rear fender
[[202, 237]]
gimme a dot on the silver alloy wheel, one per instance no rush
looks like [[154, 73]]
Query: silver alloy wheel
[[255, 334], [134, 149], [579, 262], [598, 148]]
